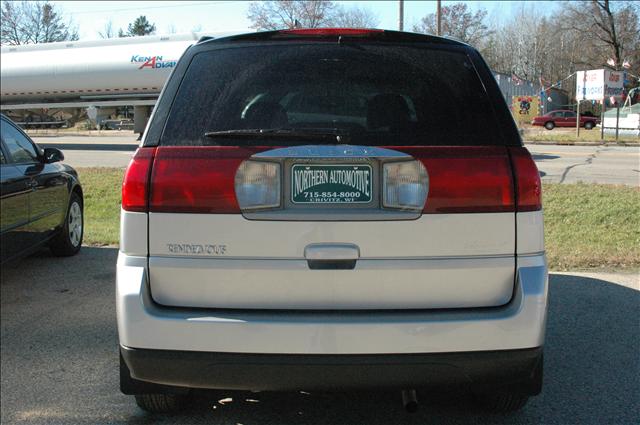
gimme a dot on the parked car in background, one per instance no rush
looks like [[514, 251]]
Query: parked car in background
[[41, 198], [119, 124], [565, 118], [331, 208]]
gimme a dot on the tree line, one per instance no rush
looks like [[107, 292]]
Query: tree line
[[34, 22], [531, 46], [586, 34]]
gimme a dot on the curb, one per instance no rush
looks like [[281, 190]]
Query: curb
[[102, 133], [569, 143]]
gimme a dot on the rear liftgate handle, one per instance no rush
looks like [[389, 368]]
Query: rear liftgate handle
[[331, 256]]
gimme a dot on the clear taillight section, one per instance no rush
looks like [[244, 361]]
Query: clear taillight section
[[405, 185], [257, 185]]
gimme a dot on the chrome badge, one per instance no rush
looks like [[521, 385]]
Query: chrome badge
[[196, 249]]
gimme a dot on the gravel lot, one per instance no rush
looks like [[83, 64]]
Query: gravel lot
[[59, 361]]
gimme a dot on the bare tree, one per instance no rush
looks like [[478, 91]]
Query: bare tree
[[107, 31], [607, 31], [13, 22], [34, 22], [458, 22], [354, 17], [522, 46], [287, 14]]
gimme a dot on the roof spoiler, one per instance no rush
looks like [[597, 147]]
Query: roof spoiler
[[336, 34]]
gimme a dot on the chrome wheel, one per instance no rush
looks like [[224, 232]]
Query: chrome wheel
[[75, 224]]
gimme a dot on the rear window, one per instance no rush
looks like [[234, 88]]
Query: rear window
[[376, 94]]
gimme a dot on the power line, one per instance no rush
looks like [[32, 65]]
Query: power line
[[202, 3]]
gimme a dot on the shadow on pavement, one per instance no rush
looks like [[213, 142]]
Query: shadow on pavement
[[60, 365], [543, 156], [124, 147]]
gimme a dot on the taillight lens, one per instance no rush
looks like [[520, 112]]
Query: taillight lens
[[528, 185], [257, 185], [136, 181], [196, 179], [466, 179], [405, 185]]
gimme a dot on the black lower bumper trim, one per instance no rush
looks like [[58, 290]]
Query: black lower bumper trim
[[515, 370]]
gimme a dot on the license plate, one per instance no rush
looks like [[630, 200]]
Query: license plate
[[331, 184]]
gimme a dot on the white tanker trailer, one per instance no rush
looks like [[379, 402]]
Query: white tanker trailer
[[100, 75]]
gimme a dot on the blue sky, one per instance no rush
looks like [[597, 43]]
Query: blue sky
[[212, 16]]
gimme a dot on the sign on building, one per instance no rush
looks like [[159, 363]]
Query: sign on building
[[599, 84], [524, 108]]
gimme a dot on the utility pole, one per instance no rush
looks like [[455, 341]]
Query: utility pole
[[578, 95], [439, 18], [400, 15], [578, 120]]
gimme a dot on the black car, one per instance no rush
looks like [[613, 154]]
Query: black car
[[41, 198]]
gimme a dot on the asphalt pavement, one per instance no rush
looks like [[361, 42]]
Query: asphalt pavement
[[59, 359], [557, 163], [589, 164]]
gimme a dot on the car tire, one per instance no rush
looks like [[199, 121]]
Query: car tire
[[162, 403], [549, 125], [69, 241], [589, 125], [502, 402]]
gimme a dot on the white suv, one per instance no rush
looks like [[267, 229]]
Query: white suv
[[334, 208]]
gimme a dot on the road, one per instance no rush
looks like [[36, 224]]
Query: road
[[557, 164], [59, 361], [590, 164]]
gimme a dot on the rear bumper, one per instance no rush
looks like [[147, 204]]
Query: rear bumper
[[515, 370], [143, 324]]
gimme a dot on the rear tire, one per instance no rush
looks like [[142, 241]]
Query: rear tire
[[69, 240], [502, 402], [549, 125], [162, 403], [589, 125]]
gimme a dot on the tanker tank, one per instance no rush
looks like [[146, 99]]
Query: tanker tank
[[96, 74]]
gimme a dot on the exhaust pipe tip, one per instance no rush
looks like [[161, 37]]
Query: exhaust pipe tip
[[410, 401]]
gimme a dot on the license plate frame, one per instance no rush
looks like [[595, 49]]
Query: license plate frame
[[331, 184]]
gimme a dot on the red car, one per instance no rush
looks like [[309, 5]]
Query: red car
[[564, 118]]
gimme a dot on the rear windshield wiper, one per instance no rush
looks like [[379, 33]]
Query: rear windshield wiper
[[278, 133]]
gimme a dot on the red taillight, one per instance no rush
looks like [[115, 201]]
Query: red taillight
[[202, 179], [528, 186], [466, 179], [136, 181], [331, 31], [196, 179]]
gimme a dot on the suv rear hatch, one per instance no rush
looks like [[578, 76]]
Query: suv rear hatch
[[314, 174]]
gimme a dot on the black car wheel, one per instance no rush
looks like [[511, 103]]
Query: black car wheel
[[589, 125], [69, 240], [549, 125]]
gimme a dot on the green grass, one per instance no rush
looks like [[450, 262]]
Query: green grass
[[587, 226], [585, 136], [592, 226], [101, 187], [568, 135]]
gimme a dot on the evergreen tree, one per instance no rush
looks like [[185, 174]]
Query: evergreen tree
[[141, 26]]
